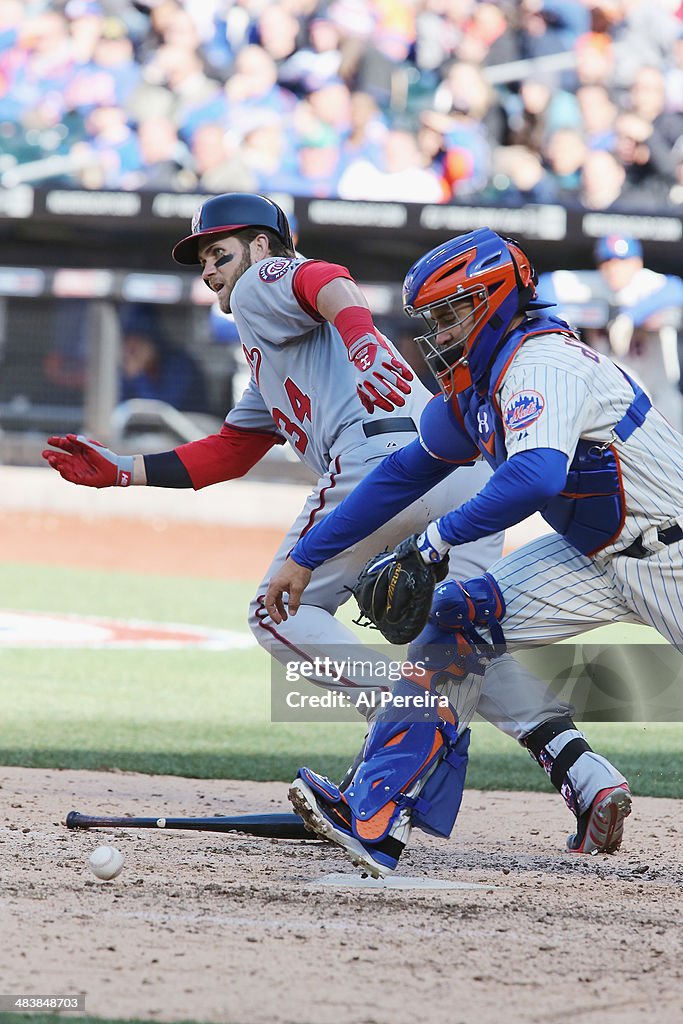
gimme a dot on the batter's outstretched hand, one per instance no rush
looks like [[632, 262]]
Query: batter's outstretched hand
[[384, 379], [89, 463], [292, 579]]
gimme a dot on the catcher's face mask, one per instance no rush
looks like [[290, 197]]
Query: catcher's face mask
[[450, 323]]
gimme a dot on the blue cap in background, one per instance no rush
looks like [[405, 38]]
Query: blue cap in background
[[617, 247]]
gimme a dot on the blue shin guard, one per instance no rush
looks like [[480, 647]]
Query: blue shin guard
[[413, 771], [414, 762]]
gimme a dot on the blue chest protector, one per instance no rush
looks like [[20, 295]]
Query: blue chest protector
[[590, 511]]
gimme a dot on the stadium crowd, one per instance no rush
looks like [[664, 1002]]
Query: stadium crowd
[[421, 100]]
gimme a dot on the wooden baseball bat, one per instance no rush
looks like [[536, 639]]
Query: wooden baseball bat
[[269, 826]]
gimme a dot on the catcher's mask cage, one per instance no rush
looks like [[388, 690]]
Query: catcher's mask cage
[[227, 213], [489, 272]]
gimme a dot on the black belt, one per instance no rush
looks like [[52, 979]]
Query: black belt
[[389, 426], [638, 550]]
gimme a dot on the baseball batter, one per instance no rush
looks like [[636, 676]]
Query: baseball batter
[[323, 380], [568, 434]]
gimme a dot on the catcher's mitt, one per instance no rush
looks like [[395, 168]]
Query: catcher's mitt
[[395, 589]]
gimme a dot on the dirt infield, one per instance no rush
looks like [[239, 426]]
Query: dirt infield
[[241, 931], [161, 546], [230, 929]]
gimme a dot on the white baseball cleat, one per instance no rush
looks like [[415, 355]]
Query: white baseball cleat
[[601, 827]]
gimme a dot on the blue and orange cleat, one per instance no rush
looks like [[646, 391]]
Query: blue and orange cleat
[[324, 810]]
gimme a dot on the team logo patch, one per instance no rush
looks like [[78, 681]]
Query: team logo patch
[[274, 269], [523, 409]]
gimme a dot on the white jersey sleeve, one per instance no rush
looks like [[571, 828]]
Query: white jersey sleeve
[[557, 391], [545, 399]]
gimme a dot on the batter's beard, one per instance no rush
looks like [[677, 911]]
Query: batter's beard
[[226, 293]]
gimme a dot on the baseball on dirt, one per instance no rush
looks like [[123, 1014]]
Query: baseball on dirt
[[106, 862]]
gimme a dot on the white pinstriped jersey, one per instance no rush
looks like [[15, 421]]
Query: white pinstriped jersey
[[301, 377], [581, 394]]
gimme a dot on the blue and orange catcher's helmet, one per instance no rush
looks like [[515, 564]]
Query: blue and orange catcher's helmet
[[476, 284]]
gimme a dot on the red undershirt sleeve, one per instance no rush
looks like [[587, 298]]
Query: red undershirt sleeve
[[309, 278], [226, 455]]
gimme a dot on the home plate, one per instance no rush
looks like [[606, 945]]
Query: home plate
[[342, 881]]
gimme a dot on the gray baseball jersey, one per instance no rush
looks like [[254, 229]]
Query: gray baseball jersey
[[301, 377]]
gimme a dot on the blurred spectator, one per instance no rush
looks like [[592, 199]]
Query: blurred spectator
[[267, 151], [39, 68], [490, 35], [112, 146], [318, 164], [400, 175], [464, 90], [86, 21], [643, 330], [648, 101], [566, 153], [598, 116], [152, 368], [196, 98], [520, 177], [218, 165], [602, 182], [319, 62], [551, 26], [277, 31], [594, 60], [465, 159], [366, 129], [331, 105], [252, 86], [164, 158], [115, 56], [632, 148], [541, 109]]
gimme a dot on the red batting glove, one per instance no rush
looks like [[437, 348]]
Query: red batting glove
[[88, 463], [385, 380]]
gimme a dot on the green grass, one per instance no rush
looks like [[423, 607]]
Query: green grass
[[207, 714]]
